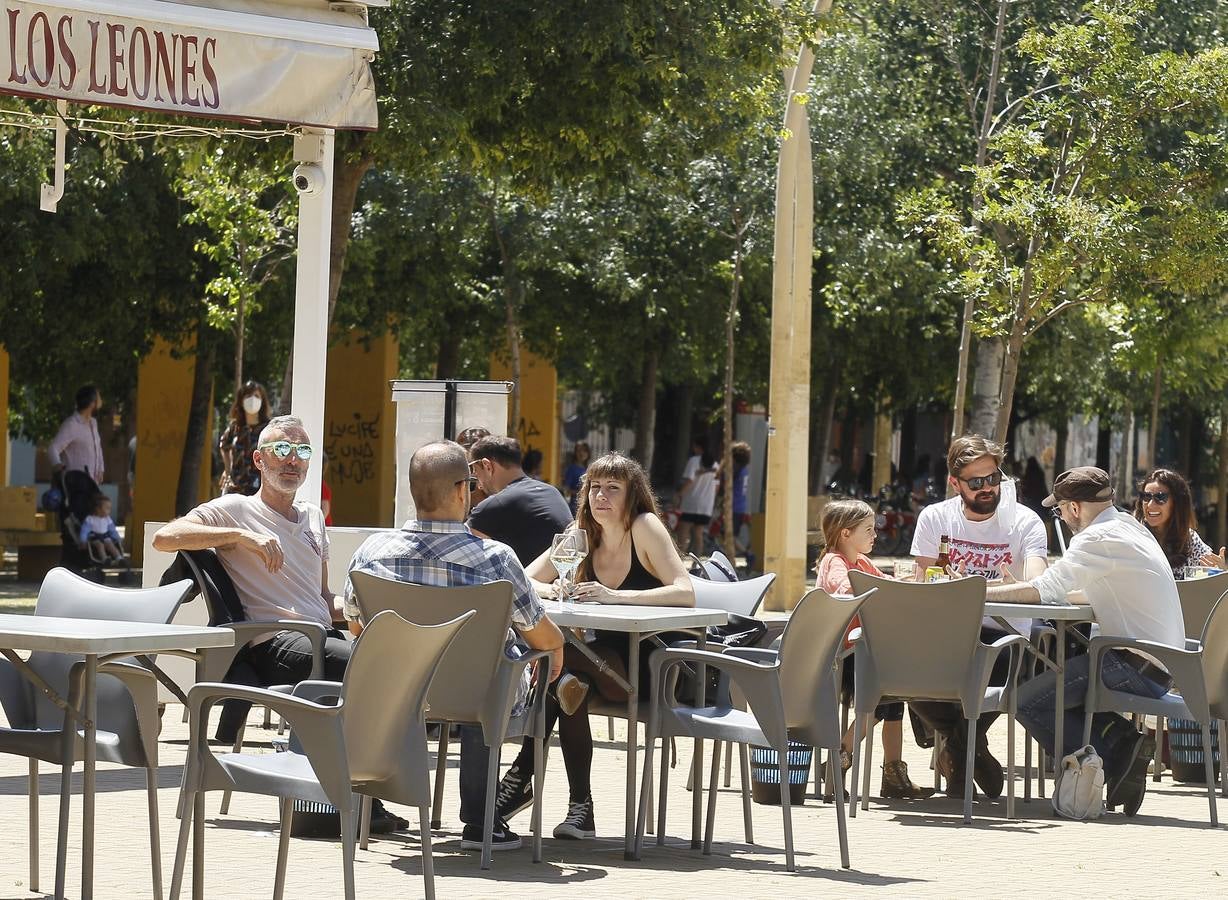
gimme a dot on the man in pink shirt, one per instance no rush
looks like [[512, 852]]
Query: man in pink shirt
[[76, 447]]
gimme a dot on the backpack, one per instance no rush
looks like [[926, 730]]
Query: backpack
[[1078, 792]]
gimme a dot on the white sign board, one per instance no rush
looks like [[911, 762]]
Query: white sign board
[[249, 60]]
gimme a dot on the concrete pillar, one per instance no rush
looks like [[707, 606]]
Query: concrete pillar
[[164, 387], [539, 407], [360, 430], [4, 417]]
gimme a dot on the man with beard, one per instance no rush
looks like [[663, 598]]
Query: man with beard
[[987, 533]]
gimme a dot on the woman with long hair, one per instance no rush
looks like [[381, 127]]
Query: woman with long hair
[[248, 416], [1166, 507], [631, 559]]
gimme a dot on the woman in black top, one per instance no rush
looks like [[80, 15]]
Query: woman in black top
[[248, 416], [631, 560]]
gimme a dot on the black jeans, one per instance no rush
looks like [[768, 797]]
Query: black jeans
[[283, 659], [947, 719]]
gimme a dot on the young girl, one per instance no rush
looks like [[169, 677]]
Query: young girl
[[848, 532]]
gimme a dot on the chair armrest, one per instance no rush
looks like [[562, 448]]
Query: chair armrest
[[318, 691], [1185, 666], [754, 654], [758, 682], [986, 658], [246, 632]]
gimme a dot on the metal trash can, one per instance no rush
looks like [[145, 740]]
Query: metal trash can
[[1185, 750], [765, 773]]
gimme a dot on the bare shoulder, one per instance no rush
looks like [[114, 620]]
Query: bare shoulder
[[648, 526]]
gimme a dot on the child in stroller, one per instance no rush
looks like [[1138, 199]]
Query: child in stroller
[[99, 535]]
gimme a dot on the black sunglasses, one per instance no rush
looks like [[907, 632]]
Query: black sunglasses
[[993, 479], [473, 482], [1160, 497]]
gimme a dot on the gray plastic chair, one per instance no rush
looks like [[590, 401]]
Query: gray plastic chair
[[923, 642], [791, 694], [1199, 672], [127, 698], [477, 680], [741, 597], [371, 741]]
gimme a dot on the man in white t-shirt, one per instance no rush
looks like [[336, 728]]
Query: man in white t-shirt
[[1121, 570], [697, 497], [988, 532]]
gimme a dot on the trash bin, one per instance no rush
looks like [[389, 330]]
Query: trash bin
[[765, 773], [1185, 750]]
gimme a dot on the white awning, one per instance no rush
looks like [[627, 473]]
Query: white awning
[[301, 62]]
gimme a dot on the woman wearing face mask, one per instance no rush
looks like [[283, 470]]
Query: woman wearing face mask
[[248, 416], [1164, 505]]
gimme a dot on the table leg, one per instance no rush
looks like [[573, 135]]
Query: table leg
[[697, 759], [90, 702], [633, 711], [1060, 713]]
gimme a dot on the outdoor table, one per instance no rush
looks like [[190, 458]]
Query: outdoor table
[[1061, 616], [92, 638], [638, 622]]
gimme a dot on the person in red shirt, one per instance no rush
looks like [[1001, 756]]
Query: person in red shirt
[[848, 532]]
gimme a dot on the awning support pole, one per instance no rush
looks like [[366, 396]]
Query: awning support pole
[[50, 195]]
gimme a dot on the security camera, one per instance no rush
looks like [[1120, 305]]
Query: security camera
[[308, 179]]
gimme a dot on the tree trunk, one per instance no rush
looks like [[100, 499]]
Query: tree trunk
[[1153, 427], [240, 327], [986, 386], [350, 164], [1010, 374], [1104, 442], [1059, 446], [448, 356], [1125, 479], [1221, 494], [646, 416], [731, 318], [194, 451]]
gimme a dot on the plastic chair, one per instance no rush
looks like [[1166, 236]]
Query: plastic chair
[[791, 694], [127, 698], [477, 680], [741, 597], [1199, 672], [372, 741], [720, 567], [228, 664], [923, 642]]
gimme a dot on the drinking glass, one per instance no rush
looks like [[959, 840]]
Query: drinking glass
[[905, 570], [567, 551], [1192, 572]]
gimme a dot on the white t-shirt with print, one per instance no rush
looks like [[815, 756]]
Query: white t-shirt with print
[[701, 497], [982, 547]]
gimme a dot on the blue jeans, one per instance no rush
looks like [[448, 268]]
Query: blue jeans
[[474, 758], [1037, 703]]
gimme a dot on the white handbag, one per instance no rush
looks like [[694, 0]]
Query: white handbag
[[1079, 790]]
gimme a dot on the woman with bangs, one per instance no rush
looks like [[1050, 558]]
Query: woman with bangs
[[631, 560]]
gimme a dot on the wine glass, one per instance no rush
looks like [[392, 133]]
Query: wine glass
[[567, 551]]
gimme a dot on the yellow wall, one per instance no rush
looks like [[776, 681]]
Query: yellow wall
[[164, 387], [360, 430], [539, 408], [4, 416]]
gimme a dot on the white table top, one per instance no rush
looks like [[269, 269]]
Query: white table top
[[617, 617], [1072, 613], [99, 636]]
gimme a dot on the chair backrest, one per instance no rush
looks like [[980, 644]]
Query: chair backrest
[[740, 597], [722, 566], [385, 729], [808, 650], [918, 640], [466, 686], [1215, 658], [69, 596], [1198, 597], [213, 583]]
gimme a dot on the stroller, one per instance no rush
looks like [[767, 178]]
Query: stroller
[[88, 559]]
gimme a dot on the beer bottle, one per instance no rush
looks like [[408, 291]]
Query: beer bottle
[[944, 553]]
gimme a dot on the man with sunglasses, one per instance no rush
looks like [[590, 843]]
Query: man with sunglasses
[[1121, 570], [987, 533]]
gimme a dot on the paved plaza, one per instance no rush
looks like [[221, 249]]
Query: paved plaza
[[900, 848]]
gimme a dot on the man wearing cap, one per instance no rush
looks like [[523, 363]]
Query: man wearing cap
[[1121, 570]]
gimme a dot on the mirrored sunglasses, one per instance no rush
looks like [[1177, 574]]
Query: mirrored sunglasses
[[282, 449]]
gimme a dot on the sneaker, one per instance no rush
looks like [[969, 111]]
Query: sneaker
[[502, 838], [383, 820], [898, 786], [579, 822], [515, 792], [1127, 782], [571, 692]]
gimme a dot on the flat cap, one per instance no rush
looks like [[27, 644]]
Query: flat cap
[[1086, 483]]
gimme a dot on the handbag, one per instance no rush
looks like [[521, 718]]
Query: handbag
[[1078, 792], [738, 631]]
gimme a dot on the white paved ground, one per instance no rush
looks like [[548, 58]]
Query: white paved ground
[[898, 848]]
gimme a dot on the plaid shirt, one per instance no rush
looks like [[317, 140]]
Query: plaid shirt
[[446, 554]]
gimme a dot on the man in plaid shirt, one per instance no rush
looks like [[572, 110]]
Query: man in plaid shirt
[[438, 549]]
